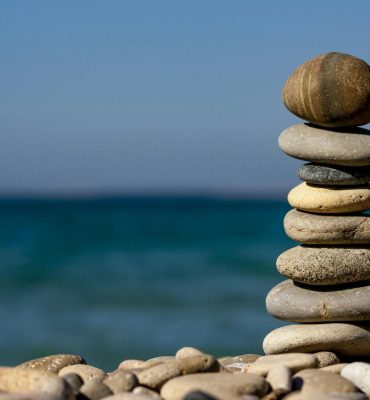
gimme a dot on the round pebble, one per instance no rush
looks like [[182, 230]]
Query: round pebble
[[349, 147], [331, 90]]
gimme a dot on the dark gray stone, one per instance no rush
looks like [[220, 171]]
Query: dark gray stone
[[334, 175], [198, 395]]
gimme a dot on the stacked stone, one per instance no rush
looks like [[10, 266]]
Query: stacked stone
[[328, 286]]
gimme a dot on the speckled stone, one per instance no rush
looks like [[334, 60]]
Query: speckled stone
[[87, 372], [350, 147], [325, 265], [294, 302], [330, 200], [332, 89], [344, 339], [334, 175], [326, 358], [53, 363], [322, 229]]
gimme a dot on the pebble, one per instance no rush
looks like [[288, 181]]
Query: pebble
[[294, 302], [95, 390], [334, 175], [53, 363], [359, 374], [198, 363], [74, 381], [150, 394], [326, 358], [279, 378], [311, 228], [87, 372], [188, 351], [15, 380], [330, 90], [214, 384], [155, 376], [294, 361], [244, 358], [155, 361], [121, 381], [131, 364], [314, 380], [330, 200], [350, 147], [336, 368], [325, 265], [344, 339]]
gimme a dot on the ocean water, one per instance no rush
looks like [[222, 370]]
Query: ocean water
[[119, 278]]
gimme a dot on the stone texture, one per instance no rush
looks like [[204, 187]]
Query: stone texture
[[322, 229], [325, 265], [326, 358], [87, 372], [294, 361], [344, 339], [121, 381], [329, 200], [294, 302], [215, 384], [331, 90], [349, 147], [359, 374], [155, 361], [53, 363], [334, 175], [198, 363], [279, 378], [316, 380], [14, 380], [155, 376]]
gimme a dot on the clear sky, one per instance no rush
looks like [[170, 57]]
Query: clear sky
[[154, 95]]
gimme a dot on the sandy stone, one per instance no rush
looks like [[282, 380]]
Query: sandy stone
[[95, 390], [155, 376], [329, 200], [334, 175], [150, 394], [291, 301], [322, 229], [280, 379], [325, 265], [350, 147], [53, 363], [188, 351], [326, 358], [121, 381], [87, 372], [294, 361], [15, 380], [131, 364], [344, 339], [359, 374], [198, 363], [317, 380], [215, 384], [332, 89], [336, 368]]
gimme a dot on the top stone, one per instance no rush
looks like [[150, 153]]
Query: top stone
[[331, 90]]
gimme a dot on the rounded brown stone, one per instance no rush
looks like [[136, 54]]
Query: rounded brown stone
[[312, 228], [325, 265], [294, 302], [331, 90]]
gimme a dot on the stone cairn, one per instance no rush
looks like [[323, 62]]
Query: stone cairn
[[328, 286]]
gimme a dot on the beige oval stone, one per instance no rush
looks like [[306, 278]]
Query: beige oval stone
[[294, 302], [17, 380], [87, 372], [53, 363], [155, 361], [128, 396], [317, 380], [131, 364], [322, 229], [155, 376], [322, 146], [121, 381], [325, 265], [198, 363], [294, 361], [329, 200], [344, 339], [188, 351], [214, 383], [326, 358], [336, 368]]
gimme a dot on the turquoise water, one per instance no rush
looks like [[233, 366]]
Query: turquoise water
[[134, 278]]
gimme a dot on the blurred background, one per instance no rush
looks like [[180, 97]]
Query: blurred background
[[142, 191]]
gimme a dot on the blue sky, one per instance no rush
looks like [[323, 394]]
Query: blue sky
[[152, 95]]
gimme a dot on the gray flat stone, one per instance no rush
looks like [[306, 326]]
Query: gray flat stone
[[325, 265], [311, 228], [349, 147], [334, 175], [344, 339], [290, 301]]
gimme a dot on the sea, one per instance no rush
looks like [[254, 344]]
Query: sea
[[136, 277]]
